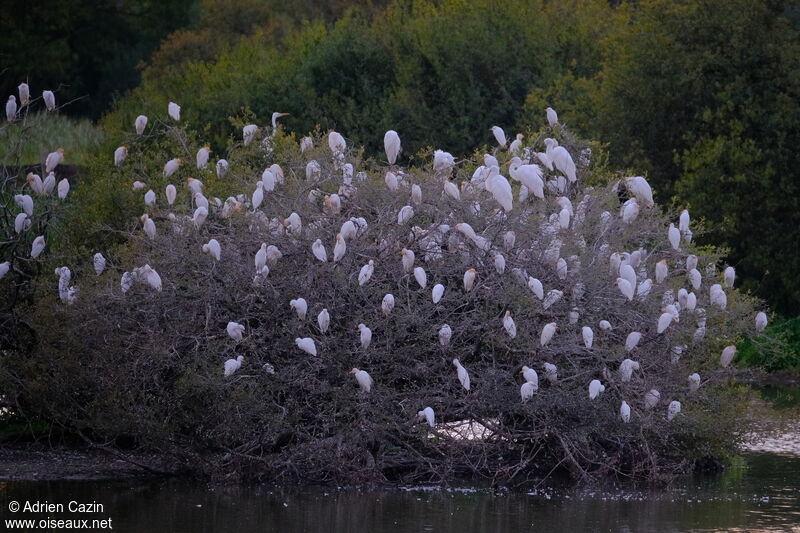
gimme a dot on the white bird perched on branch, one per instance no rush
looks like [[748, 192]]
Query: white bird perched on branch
[[639, 187], [150, 198], [261, 257], [547, 333], [222, 168], [300, 307], [463, 375], [387, 304], [149, 226], [391, 143], [451, 190], [443, 161], [151, 277], [318, 249], [662, 271], [595, 388], [174, 111], [673, 409], [54, 159], [437, 293], [392, 181], [24, 94], [339, 248], [140, 124], [630, 210], [99, 263], [362, 378], [626, 369], [11, 108], [22, 222], [625, 412], [726, 358], [553, 296], [336, 143], [729, 276], [213, 249], [694, 382], [5, 266], [307, 345], [421, 276], [235, 331], [49, 184], [365, 336], [718, 296], [37, 246], [651, 398], [550, 372], [564, 163], [588, 336], [695, 278], [416, 194], [469, 279], [632, 340], [683, 221], [171, 166], [499, 135], [120, 154], [428, 415], [306, 143], [405, 214], [674, 236], [49, 100], [625, 288], [552, 116], [201, 158], [509, 325], [232, 365], [761, 321], [526, 391], [664, 321], [530, 376], [501, 190], [275, 116], [199, 216], [445, 334], [516, 145], [536, 287], [324, 320], [366, 272]]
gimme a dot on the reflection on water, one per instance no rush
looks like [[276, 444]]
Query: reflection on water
[[760, 493]]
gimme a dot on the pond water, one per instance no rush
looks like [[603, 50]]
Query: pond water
[[760, 492]]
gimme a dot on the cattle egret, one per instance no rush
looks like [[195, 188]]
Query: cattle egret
[[307, 345], [664, 322], [199, 216], [499, 263], [661, 271], [683, 221], [232, 365], [437, 293], [300, 307], [37, 246], [99, 263], [673, 409], [625, 288], [509, 325], [405, 214], [140, 124], [605, 325], [151, 277], [149, 226], [49, 184], [632, 340], [306, 143], [416, 194], [171, 166], [499, 135], [387, 304], [261, 257], [561, 268], [552, 116], [213, 249], [529, 175], [366, 273], [729, 276], [339, 248], [463, 375], [249, 133], [451, 190], [674, 236], [49, 100], [516, 145], [718, 296], [552, 297], [530, 376], [120, 154], [336, 143], [550, 372], [202, 157], [235, 331], [728, 353], [174, 111], [547, 333], [694, 382], [469, 279], [324, 320], [630, 210], [526, 391], [536, 287], [626, 369], [195, 186], [24, 94], [318, 249], [501, 191], [22, 222], [625, 412], [443, 161], [11, 108], [365, 337], [595, 388], [362, 378], [54, 159], [588, 336], [641, 190], [761, 321], [421, 276], [427, 415], [651, 398], [445, 333], [222, 168], [392, 181], [391, 143], [562, 160]]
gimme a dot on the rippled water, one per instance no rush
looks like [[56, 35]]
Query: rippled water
[[761, 492]]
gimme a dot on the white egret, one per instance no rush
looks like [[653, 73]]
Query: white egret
[[674, 236], [213, 249], [235, 331], [644, 288], [49, 100], [35, 182], [199, 216], [552, 297], [632, 340], [336, 142], [428, 415], [501, 191], [306, 143], [516, 145], [437, 293], [673, 409], [391, 143], [202, 157], [694, 382], [627, 273], [37, 246], [605, 325], [561, 268], [365, 336], [258, 196], [550, 372], [445, 334], [387, 304], [4, 268], [140, 124], [595, 388], [626, 369], [451, 190], [536, 287], [249, 133], [333, 203], [421, 276], [222, 168], [695, 278], [547, 333], [469, 279], [443, 161], [151, 277], [232, 365], [630, 210], [174, 111], [718, 296], [348, 230], [729, 276], [268, 180], [171, 193], [120, 154], [294, 224], [509, 325], [728, 353], [625, 288], [530, 376], [405, 214], [552, 116], [300, 307], [499, 135], [196, 186], [318, 249], [11, 108], [273, 254], [362, 378], [661, 271], [683, 221], [366, 272], [562, 160], [526, 391], [24, 94], [416, 194], [307, 345], [324, 320], [625, 412], [651, 398], [588, 336], [664, 321], [761, 321], [261, 257], [54, 159], [499, 263], [639, 187], [392, 181], [463, 375], [49, 184], [172, 166], [149, 226], [509, 239], [150, 198], [339, 248], [275, 116]]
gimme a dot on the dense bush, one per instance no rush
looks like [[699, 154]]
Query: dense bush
[[144, 365]]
